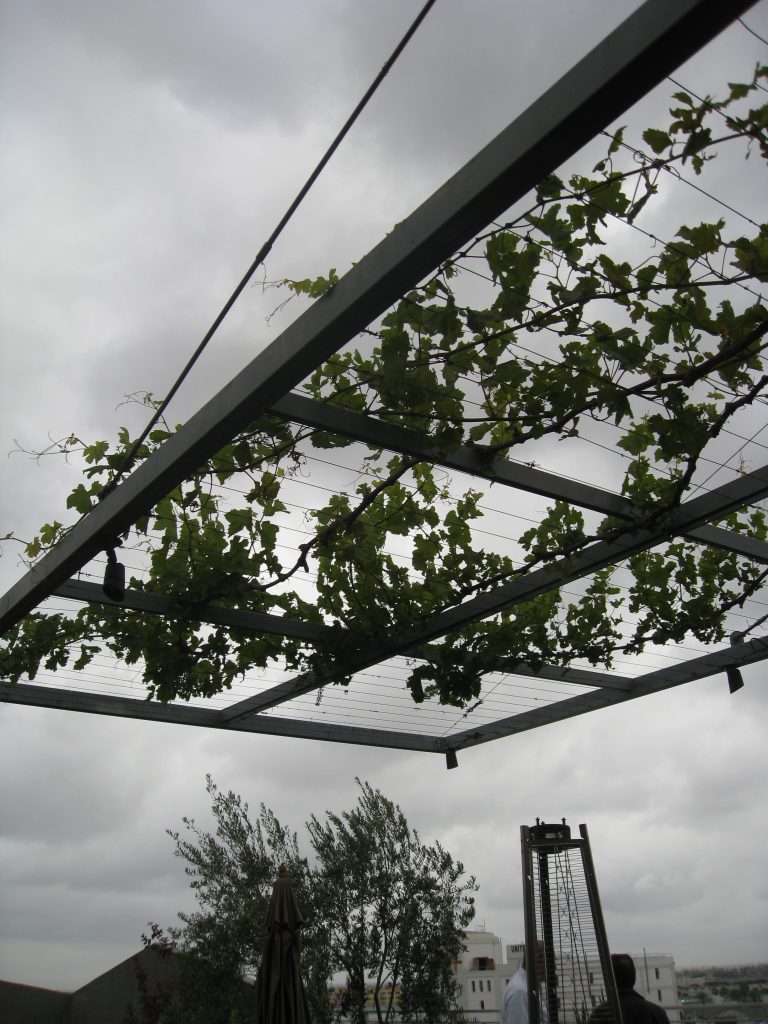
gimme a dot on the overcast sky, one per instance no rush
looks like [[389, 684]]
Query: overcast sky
[[146, 151]]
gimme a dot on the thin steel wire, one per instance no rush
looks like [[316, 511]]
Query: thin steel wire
[[262, 254]]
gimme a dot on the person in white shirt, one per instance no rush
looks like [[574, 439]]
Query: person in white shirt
[[514, 1005]]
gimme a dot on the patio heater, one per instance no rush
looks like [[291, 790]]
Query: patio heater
[[568, 963]]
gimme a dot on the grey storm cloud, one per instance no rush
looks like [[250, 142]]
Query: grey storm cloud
[[147, 149]]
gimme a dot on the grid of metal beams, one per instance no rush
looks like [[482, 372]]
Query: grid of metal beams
[[634, 58]]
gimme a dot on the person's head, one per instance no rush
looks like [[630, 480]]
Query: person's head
[[623, 970]]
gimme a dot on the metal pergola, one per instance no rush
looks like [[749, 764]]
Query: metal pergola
[[649, 45]]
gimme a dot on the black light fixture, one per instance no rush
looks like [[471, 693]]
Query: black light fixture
[[451, 761], [735, 680], [733, 675], [114, 577]]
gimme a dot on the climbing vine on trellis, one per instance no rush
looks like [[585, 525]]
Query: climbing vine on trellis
[[668, 347]]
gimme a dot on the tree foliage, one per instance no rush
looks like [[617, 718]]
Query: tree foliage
[[231, 873], [381, 907], [395, 909], [566, 329], [194, 990]]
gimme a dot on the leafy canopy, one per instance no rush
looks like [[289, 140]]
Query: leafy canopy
[[544, 325]]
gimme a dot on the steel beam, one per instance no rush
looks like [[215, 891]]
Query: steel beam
[[745, 490], [312, 632], [652, 682], [552, 673], [233, 618], [742, 491], [558, 674], [466, 459], [181, 714], [620, 70], [735, 656]]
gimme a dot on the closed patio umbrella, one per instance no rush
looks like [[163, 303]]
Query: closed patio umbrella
[[280, 995]]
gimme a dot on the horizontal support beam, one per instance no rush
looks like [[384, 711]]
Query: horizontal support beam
[[466, 459], [182, 714], [259, 622], [286, 691], [744, 490], [653, 41], [558, 674], [233, 618], [652, 682], [735, 656]]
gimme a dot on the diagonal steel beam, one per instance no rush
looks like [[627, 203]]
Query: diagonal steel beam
[[182, 714], [466, 459], [744, 490], [279, 625], [652, 682], [642, 686], [653, 41]]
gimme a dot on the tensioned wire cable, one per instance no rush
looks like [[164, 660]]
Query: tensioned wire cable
[[129, 458], [647, 234], [543, 357], [571, 593], [647, 162], [668, 245], [262, 255], [706, 102], [392, 553], [752, 31], [263, 252]]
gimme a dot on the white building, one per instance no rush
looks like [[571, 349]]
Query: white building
[[483, 973], [657, 981]]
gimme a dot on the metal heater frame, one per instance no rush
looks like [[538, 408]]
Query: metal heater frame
[[541, 841]]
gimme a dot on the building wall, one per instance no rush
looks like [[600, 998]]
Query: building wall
[[27, 1004], [104, 1000], [656, 978], [482, 986]]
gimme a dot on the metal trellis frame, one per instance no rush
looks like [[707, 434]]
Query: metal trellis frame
[[619, 71]]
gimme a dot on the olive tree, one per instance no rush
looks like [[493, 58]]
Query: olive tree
[[396, 909], [381, 908]]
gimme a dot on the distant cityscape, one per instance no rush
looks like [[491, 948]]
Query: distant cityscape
[[700, 995], [705, 986], [691, 995]]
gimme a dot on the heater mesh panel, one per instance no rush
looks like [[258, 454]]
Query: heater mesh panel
[[573, 985]]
